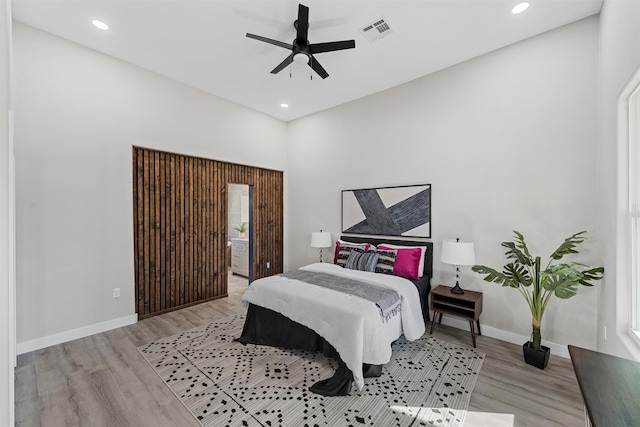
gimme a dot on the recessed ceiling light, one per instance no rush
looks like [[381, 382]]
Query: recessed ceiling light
[[99, 24], [284, 105], [520, 7]]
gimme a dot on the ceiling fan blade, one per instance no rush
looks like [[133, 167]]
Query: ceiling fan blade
[[302, 25], [270, 41], [288, 60], [315, 65], [331, 46]]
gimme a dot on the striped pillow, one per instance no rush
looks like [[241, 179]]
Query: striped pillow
[[343, 254], [343, 243], [386, 260], [363, 261]]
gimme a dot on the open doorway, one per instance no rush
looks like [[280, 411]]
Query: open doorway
[[240, 236]]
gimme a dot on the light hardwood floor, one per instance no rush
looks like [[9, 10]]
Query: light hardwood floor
[[236, 283], [103, 381]]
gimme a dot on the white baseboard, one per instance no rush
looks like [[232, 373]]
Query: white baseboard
[[74, 334], [59, 338], [557, 349]]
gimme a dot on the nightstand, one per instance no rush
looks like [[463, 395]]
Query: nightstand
[[466, 306]]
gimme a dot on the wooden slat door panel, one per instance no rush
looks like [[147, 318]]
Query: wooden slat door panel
[[180, 227]]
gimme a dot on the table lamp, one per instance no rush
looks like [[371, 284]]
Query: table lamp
[[320, 239], [457, 253]]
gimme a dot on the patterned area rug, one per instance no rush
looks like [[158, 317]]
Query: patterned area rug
[[224, 383]]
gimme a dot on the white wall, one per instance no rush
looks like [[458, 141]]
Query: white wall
[[78, 114], [619, 58], [7, 285], [508, 141]]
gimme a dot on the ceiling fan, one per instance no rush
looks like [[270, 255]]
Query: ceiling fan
[[301, 50]]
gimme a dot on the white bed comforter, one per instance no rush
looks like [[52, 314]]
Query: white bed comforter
[[351, 324]]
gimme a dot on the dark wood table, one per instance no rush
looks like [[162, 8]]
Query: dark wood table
[[610, 387], [466, 306]]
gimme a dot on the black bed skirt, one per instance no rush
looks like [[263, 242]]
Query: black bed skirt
[[267, 327], [424, 288]]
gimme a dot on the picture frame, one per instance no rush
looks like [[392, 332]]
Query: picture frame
[[388, 211]]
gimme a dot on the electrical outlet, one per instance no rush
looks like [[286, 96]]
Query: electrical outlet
[[268, 264], [116, 292]]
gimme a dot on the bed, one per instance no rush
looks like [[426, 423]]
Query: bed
[[289, 312]]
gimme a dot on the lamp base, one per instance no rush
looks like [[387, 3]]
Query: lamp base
[[457, 289]]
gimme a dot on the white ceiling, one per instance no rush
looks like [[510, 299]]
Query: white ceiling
[[202, 43]]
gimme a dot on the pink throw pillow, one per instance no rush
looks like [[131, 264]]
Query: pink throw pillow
[[407, 262]]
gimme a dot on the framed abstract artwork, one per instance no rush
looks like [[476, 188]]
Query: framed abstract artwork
[[388, 211]]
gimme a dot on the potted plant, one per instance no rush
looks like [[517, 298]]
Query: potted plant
[[538, 285], [242, 229]]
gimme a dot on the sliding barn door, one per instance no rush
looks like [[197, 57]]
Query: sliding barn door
[[180, 227]]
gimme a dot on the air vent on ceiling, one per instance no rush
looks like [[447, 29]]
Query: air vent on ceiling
[[376, 30]]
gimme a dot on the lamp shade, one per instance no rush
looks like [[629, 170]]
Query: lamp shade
[[457, 253], [320, 239]]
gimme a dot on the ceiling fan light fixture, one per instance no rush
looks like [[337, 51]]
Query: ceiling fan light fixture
[[301, 58], [520, 7]]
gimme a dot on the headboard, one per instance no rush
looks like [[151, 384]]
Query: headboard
[[376, 240]]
